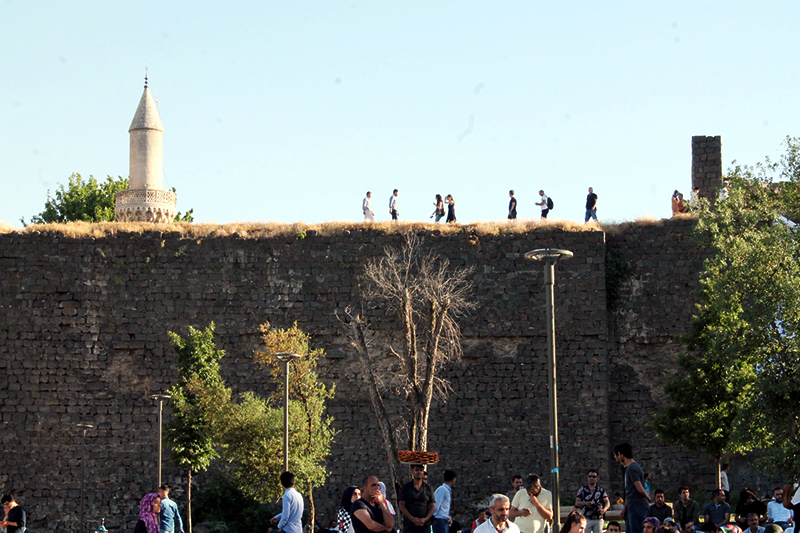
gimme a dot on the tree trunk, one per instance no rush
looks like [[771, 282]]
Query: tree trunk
[[312, 509], [719, 472], [189, 502], [387, 431]]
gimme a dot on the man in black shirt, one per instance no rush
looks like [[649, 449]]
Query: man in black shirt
[[16, 515], [512, 206], [370, 514], [591, 206], [417, 503]]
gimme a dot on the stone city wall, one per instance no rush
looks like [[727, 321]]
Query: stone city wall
[[83, 339]]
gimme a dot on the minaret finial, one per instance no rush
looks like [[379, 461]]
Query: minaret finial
[[145, 77]]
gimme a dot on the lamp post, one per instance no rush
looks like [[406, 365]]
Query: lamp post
[[550, 256], [84, 427], [285, 358], [161, 399]]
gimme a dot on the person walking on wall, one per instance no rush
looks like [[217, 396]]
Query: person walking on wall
[[366, 208], [393, 205], [438, 212], [543, 204], [451, 209], [591, 212], [512, 206]]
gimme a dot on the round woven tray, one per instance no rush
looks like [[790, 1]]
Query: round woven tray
[[417, 458]]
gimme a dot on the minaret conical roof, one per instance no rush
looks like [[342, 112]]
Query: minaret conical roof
[[146, 117]]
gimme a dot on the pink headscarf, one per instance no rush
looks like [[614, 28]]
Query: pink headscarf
[[146, 512]]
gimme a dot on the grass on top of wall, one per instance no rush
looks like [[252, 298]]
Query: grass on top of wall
[[257, 230]]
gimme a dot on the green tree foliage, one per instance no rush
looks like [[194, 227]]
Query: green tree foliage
[[87, 201], [737, 388], [207, 423], [310, 430], [199, 401]]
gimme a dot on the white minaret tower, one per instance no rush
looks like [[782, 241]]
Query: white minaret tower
[[145, 201]]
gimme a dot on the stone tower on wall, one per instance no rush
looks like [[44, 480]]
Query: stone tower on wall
[[145, 201], [707, 165]]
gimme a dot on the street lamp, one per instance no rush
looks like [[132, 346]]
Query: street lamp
[[161, 399], [550, 256], [84, 427], [285, 358]]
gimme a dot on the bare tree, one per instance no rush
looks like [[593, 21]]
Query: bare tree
[[426, 295]]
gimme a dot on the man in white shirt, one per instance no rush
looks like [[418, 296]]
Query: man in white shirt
[[543, 204], [499, 522], [366, 207], [776, 512], [532, 506], [393, 205], [723, 480], [292, 507], [444, 498]]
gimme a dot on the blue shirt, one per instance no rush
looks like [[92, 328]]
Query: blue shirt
[[169, 516], [291, 512], [443, 497]]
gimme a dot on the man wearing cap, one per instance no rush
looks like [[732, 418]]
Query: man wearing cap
[[417, 503], [169, 520]]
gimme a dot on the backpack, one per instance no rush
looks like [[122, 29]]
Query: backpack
[[549, 203]]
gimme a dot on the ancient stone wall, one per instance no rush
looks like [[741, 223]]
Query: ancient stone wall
[[83, 339]]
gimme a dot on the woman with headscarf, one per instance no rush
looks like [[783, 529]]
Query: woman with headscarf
[[651, 524], [149, 508], [389, 506], [343, 517]]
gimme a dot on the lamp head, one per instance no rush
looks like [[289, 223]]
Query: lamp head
[[286, 356], [549, 255]]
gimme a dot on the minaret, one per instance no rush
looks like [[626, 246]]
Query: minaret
[[145, 201]]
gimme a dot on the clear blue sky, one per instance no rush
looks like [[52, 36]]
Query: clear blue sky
[[291, 110]]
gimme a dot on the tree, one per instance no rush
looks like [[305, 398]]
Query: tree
[[737, 388], [426, 296], [199, 402], [87, 201], [310, 431]]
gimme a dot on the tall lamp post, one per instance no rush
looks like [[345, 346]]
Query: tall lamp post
[[550, 256], [84, 427], [285, 358], [161, 399]]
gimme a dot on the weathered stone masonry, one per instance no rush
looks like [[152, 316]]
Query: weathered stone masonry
[[83, 338]]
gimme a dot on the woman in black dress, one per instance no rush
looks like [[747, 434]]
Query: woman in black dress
[[451, 209]]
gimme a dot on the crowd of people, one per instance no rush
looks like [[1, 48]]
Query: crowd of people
[[526, 508], [545, 203]]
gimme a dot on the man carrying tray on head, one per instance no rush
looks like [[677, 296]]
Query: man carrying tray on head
[[417, 503]]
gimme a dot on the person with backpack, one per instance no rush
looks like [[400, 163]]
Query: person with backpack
[[545, 203]]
